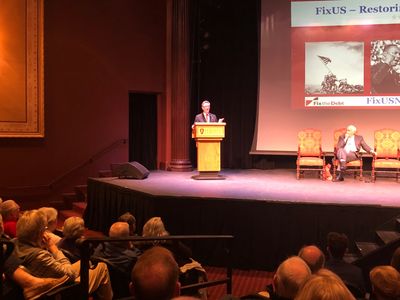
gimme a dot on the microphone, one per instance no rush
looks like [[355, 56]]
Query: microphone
[[346, 137]]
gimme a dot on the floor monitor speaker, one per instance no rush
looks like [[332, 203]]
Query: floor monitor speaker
[[130, 170]]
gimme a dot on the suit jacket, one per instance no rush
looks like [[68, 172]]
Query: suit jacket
[[201, 118], [358, 140], [349, 273]]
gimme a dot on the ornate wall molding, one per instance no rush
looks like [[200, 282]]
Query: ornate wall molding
[[21, 68]]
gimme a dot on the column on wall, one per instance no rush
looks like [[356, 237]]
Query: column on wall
[[180, 123]]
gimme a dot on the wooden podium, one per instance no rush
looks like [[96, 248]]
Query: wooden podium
[[208, 142]]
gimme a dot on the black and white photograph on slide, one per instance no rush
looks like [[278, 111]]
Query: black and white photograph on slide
[[385, 67], [334, 68]]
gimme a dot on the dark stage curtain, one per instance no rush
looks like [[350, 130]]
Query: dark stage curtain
[[143, 129], [224, 51], [266, 232]]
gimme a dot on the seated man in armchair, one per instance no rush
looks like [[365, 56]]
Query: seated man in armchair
[[348, 149]]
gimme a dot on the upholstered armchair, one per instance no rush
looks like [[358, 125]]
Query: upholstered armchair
[[309, 154], [387, 158], [355, 166]]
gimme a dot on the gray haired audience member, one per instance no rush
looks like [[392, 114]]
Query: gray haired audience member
[[33, 287], [43, 258], [313, 256], [290, 276], [9, 209], [385, 281], [73, 229], [120, 254], [52, 218], [155, 276]]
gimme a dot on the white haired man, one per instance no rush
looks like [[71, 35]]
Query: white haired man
[[42, 257], [348, 149]]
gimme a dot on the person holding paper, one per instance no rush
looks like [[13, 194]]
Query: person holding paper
[[206, 116]]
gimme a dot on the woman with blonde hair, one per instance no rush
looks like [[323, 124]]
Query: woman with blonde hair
[[154, 227], [324, 285]]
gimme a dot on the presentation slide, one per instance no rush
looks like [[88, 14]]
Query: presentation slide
[[326, 65]]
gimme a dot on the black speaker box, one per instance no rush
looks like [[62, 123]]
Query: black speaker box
[[130, 170]]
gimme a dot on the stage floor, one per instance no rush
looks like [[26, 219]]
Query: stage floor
[[268, 185]]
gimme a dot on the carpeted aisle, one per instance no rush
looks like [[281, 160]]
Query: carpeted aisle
[[244, 282]]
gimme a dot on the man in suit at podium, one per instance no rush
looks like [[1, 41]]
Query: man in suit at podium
[[206, 116]]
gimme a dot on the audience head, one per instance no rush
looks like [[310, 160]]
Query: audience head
[[120, 230], [337, 244], [385, 281], [131, 220], [395, 262], [31, 227], [51, 215], [154, 227], [324, 285], [313, 256], [9, 210], [73, 228], [290, 276], [155, 275]]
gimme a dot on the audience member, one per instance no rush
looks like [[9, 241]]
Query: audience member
[[120, 254], [10, 211], [43, 258], [385, 281], [154, 227], [155, 276], [131, 220], [351, 275], [191, 271], [313, 256], [289, 277], [324, 285], [52, 218], [395, 262], [73, 229], [16, 278]]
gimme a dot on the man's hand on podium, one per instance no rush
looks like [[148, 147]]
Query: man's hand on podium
[[221, 120]]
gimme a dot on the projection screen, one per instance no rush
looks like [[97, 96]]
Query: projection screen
[[317, 69]]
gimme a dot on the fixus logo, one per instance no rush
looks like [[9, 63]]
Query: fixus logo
[[311, 101]]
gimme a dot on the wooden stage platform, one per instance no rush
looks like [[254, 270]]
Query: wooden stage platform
[[270, 213]]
